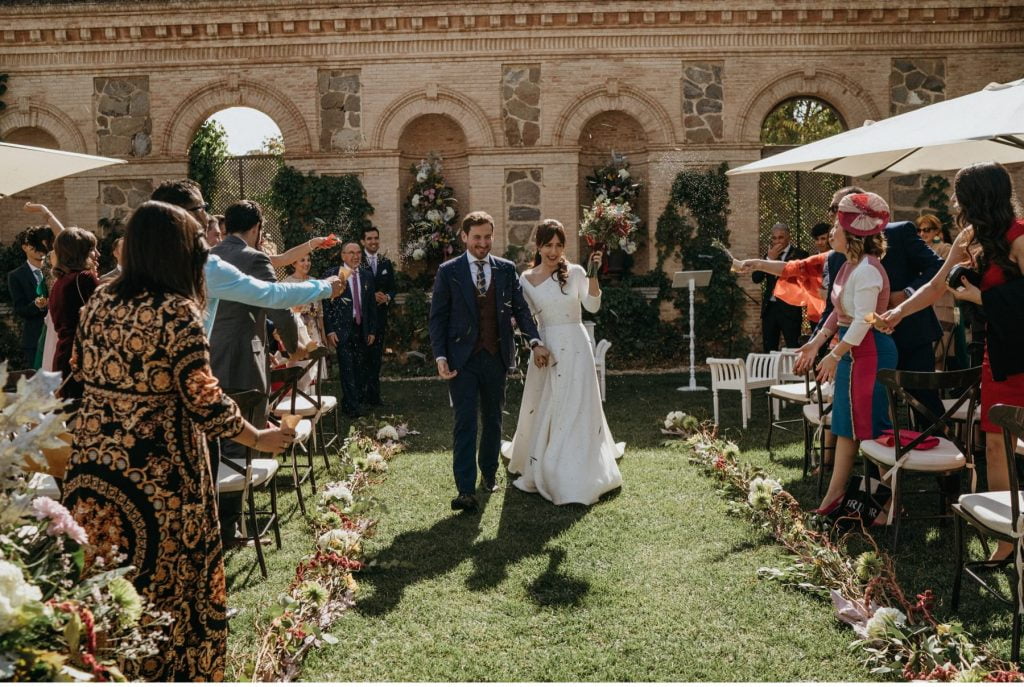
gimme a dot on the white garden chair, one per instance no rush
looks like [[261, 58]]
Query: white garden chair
[[758, 371]]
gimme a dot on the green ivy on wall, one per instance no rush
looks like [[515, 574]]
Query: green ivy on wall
[[312, 205], [691, 236], [206, 156], [934, 198]]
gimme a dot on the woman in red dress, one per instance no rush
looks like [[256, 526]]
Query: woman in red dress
[[992, 242], [76, 280]]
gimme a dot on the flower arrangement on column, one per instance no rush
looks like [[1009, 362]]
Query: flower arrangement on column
[[62, 617], [429, 213], [615, 193]]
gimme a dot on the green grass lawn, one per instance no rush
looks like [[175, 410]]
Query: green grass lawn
[[655, 582]]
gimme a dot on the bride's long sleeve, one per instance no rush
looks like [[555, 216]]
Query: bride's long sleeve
[[591, 303]]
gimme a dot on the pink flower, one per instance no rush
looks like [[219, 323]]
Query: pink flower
[[61, 522]]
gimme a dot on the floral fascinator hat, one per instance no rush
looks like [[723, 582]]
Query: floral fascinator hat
[[863, 214]]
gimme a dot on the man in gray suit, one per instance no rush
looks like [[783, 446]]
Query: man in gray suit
[[238, 341]]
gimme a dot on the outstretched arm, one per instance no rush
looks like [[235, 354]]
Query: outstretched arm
[[296, 252], [227, 282], [51, 219]]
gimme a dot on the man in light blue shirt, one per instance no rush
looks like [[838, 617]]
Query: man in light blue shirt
[[227, 282]]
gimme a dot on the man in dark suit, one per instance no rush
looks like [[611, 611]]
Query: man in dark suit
[[239, 337], [777, 316], [383, 273], [475, 297], [910, 264], [350, 322], [24, 282]]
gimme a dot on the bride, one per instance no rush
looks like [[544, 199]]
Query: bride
[[562, 447]]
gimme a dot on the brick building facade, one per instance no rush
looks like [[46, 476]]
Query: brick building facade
[[521, 99]]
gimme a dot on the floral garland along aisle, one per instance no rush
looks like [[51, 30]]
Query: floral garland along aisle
[[60, 620], [323, 587], [900, 638]]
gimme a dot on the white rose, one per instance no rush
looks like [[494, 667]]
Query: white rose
[[387, 432], [422, 176], [623, 173], [433, 216], [338, 493], [418, 254], [341, 540], [415, 200], [449, 212], [15, 592]]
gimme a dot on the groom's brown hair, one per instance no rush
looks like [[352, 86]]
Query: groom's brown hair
[[474, 218]]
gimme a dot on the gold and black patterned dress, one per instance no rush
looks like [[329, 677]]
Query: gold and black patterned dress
[[140, 478]]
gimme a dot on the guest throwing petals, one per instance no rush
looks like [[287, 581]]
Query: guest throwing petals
[[860, 289]]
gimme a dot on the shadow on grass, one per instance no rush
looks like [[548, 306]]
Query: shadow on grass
[[528, 522], [421, 555]]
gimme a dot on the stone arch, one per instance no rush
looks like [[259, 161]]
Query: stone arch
[[48, 118], [197, 107], [614, 96], [844, 95], [433, 100]]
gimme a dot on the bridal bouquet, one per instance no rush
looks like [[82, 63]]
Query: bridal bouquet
[[609, 224]]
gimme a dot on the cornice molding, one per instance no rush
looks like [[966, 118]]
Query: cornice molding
[[471, 47], [213, 22]]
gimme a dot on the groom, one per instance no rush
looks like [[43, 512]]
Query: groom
[[476, 295]]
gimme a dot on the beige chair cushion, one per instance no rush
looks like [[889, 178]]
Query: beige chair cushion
[[814, 417], [793, 391], [991, 508], [303, 407], [961, 412], [230, 480], [944, 457]]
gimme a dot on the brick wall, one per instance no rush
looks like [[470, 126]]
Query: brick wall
[[434, 79]]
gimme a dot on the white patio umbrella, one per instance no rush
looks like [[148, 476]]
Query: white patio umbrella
[[23, 167], [981, 126]]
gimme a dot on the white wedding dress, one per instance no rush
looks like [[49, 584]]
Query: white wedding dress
[[563, 448]]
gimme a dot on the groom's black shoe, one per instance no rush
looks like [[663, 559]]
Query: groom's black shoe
[[489, 486], [466, 502]]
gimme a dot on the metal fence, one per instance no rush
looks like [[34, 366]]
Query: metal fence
[[250, 177], [798, 199]]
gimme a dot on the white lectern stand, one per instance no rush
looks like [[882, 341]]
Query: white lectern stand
[[692, 280]]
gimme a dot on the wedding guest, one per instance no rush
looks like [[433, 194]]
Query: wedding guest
[[223, 280], [139, 478], [214, 230], [777, 316], [238, 343], [76, 280], [991, 239], [116, 250], [351, 325], [820, 232], [383, 272], [312, 314], [931, 231], [27, 288], [861, 287]]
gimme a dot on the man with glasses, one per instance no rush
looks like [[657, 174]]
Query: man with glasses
[[226, 282]]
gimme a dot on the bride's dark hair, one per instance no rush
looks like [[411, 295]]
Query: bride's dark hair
[[545, 231]]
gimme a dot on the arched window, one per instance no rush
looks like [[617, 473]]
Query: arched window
[[798, 199]]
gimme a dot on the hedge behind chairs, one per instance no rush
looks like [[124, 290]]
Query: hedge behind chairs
[[953, 452], [995, 514]]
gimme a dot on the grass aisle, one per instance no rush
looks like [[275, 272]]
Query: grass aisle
[[655, 583]]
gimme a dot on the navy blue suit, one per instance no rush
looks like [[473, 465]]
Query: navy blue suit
[[908, 262], [22, 285], [384, 281], [352, 338], [479, 386]]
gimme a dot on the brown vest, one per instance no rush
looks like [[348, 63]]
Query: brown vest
[[487, 305]]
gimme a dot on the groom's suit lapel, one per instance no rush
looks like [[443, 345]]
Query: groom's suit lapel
[[465, 278]]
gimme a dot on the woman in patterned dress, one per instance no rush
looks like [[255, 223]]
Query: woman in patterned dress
[[139, 478]]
